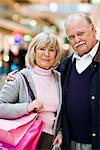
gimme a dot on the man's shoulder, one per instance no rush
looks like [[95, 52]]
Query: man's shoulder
[[65, 62]]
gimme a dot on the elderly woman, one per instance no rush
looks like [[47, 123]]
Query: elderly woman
[[42, 57]]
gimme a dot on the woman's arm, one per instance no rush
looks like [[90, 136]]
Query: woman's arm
[[14, 99], [10, 107]]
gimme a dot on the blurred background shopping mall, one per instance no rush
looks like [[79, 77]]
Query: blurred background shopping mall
[[20, 20]]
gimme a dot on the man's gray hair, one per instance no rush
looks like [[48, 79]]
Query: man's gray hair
[[76, 15]]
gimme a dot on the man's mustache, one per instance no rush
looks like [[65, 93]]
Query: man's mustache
[[79, 44]]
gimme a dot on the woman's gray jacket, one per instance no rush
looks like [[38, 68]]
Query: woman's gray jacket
[[14, 96]]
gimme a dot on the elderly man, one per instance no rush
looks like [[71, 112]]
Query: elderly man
[[81, 86]]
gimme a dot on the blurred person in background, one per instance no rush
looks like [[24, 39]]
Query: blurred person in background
[[80, 74], [22, 54], [17, 59], [43, 56]]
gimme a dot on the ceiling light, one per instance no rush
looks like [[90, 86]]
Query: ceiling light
[[53, 7]]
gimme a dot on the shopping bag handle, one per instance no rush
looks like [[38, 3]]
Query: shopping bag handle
[[29, 88]]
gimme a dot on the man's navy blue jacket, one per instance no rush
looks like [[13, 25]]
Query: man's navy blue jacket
[[65, 68]]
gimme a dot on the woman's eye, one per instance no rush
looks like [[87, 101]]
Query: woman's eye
[[52, 50], [42, 49]]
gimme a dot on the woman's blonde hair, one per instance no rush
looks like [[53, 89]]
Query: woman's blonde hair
[[40, 40]]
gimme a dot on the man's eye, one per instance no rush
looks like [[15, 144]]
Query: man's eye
[[71, 37], [82, 33]]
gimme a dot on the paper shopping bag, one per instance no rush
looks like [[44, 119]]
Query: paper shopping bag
[[29, 140], [12, 131]]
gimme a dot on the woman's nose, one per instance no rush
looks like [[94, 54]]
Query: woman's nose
[[46, 52]]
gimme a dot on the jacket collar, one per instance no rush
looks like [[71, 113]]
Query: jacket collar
[[97, 56]]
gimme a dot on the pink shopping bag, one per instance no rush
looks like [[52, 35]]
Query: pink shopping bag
[[21, 133]]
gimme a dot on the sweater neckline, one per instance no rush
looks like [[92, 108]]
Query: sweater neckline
[[42, 72]]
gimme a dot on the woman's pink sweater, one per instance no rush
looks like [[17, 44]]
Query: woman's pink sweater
[[46, 91]]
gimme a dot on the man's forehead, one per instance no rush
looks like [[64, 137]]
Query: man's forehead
[[76, 19]]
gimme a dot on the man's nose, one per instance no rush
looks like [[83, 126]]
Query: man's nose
[[77, 39]]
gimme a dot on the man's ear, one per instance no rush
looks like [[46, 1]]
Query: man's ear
[[93, 28]]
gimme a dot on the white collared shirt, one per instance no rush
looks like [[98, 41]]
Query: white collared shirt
[[83, 62]]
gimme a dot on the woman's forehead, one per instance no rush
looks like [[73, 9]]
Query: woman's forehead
[[47, 44]]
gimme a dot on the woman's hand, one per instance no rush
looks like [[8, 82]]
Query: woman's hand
[[58, 139], [10, 76], [35, 105]]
